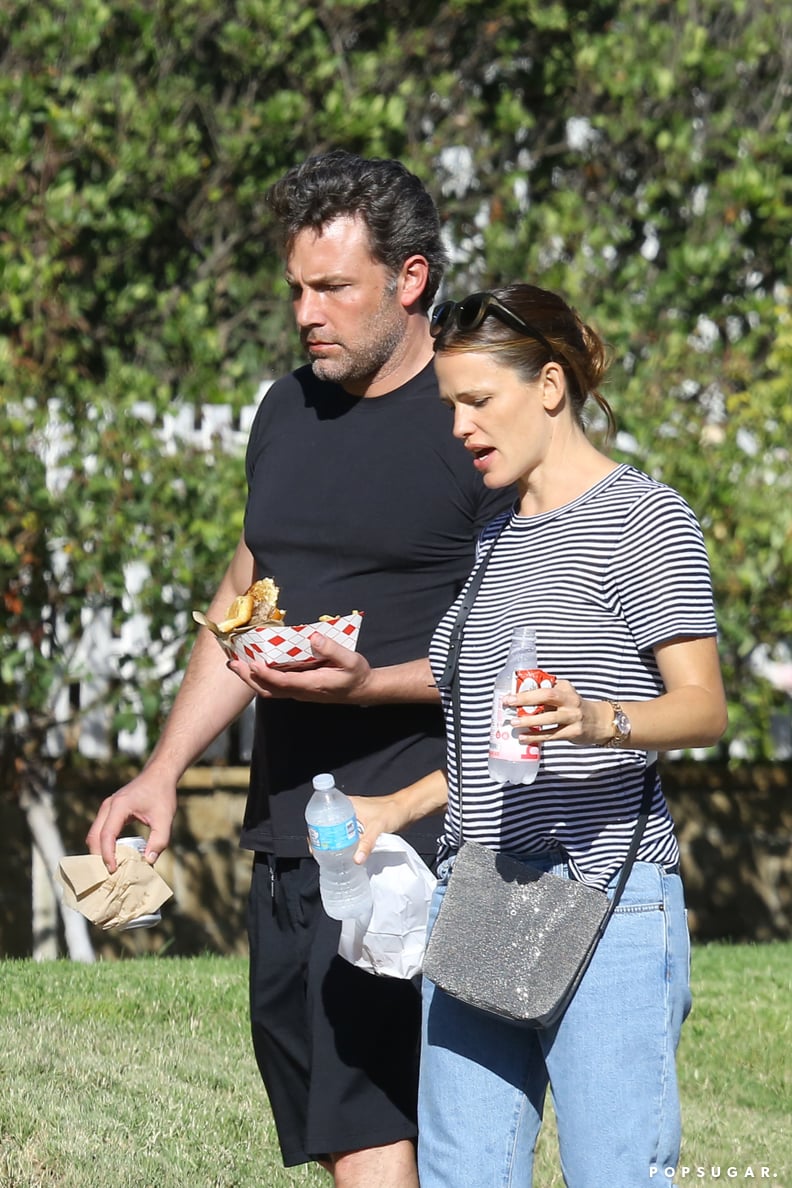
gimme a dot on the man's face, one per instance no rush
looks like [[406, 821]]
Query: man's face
[[346, 305]]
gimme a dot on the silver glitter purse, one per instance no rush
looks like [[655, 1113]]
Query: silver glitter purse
[[509, 939], [513, 940]]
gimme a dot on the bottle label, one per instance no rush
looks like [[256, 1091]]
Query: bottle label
[[333, 837], [503, 743]]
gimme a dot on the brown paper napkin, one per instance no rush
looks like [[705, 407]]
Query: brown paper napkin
[[112, 900]]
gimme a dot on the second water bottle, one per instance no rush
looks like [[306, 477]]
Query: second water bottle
[[333, 834]]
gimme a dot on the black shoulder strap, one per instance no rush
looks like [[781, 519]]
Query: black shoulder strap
[[452, 662]]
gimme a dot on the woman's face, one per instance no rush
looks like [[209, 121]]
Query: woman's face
[[499, 417]]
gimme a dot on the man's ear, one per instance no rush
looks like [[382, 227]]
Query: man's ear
[[412, 280]]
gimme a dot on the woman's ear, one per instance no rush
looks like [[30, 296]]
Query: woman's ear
[[553, 383]]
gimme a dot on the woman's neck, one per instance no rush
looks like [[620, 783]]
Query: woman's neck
[[568, 471]]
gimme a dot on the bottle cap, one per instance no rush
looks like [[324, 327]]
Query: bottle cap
[[323, 781]]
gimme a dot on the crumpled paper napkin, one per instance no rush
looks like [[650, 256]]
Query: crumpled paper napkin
[[393, 941], [112, 900]]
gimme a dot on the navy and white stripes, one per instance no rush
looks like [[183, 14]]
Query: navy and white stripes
[[603, 580]]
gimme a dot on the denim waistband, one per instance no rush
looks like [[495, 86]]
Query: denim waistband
[[543, 860]]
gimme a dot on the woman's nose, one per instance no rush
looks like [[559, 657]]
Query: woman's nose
[[462, 425]]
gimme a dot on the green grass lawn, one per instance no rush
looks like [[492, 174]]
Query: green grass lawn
[[139, 1074]]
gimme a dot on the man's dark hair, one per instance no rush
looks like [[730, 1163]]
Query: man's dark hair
[[400, 215]]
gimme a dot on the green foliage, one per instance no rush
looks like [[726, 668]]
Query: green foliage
[[636, 157], [102, 521]]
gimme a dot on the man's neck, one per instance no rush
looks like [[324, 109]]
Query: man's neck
[[408, 360]]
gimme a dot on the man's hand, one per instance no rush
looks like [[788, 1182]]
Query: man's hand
[[339, 676], [148, 799]]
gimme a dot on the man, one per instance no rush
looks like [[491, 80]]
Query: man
[[358, 498]]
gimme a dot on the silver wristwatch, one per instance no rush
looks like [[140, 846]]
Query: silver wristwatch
[[621, 727]]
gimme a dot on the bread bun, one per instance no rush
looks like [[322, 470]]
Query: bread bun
[[238, 614], [255, 608]]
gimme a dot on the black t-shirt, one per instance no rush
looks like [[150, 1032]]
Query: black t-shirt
[[363, 504]]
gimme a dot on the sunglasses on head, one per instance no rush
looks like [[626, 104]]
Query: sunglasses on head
[[469, 313]]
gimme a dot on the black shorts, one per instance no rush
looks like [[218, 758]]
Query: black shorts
[[337, 1048]]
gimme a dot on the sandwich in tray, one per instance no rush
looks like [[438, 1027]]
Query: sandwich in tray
[[254, 630]]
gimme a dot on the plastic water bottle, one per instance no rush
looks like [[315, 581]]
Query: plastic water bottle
[[509, 761], [333, 834]]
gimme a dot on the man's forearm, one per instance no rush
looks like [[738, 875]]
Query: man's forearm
[[210, 697], [408, 682], [209, 700]]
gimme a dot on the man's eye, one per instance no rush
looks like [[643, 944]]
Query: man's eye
[[481, 402]]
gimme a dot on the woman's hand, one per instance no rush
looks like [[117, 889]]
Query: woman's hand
[[376, 815], [690, 713], [392, 814], [564, 715]]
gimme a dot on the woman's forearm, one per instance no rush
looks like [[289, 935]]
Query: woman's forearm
[[394, 813]]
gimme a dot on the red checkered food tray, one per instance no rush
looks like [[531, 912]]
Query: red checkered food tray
[[282, 647]]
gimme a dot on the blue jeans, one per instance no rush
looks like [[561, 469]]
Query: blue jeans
[[609, 1062]]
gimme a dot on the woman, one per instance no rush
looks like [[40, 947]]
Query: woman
[[610, 568]]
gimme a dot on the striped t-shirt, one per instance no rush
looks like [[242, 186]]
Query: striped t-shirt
[[603, 580]]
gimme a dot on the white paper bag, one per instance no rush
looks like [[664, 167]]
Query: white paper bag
[[392, 943]]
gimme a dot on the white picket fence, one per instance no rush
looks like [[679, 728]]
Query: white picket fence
[[80, 706]]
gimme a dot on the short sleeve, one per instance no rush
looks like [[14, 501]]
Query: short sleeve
[[661, 571]]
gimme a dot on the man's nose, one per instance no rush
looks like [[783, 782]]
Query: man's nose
[[308, 309]]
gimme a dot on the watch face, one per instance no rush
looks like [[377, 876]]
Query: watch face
[[622, 724]]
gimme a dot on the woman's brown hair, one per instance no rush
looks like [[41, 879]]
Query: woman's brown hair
[[551, 331]]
